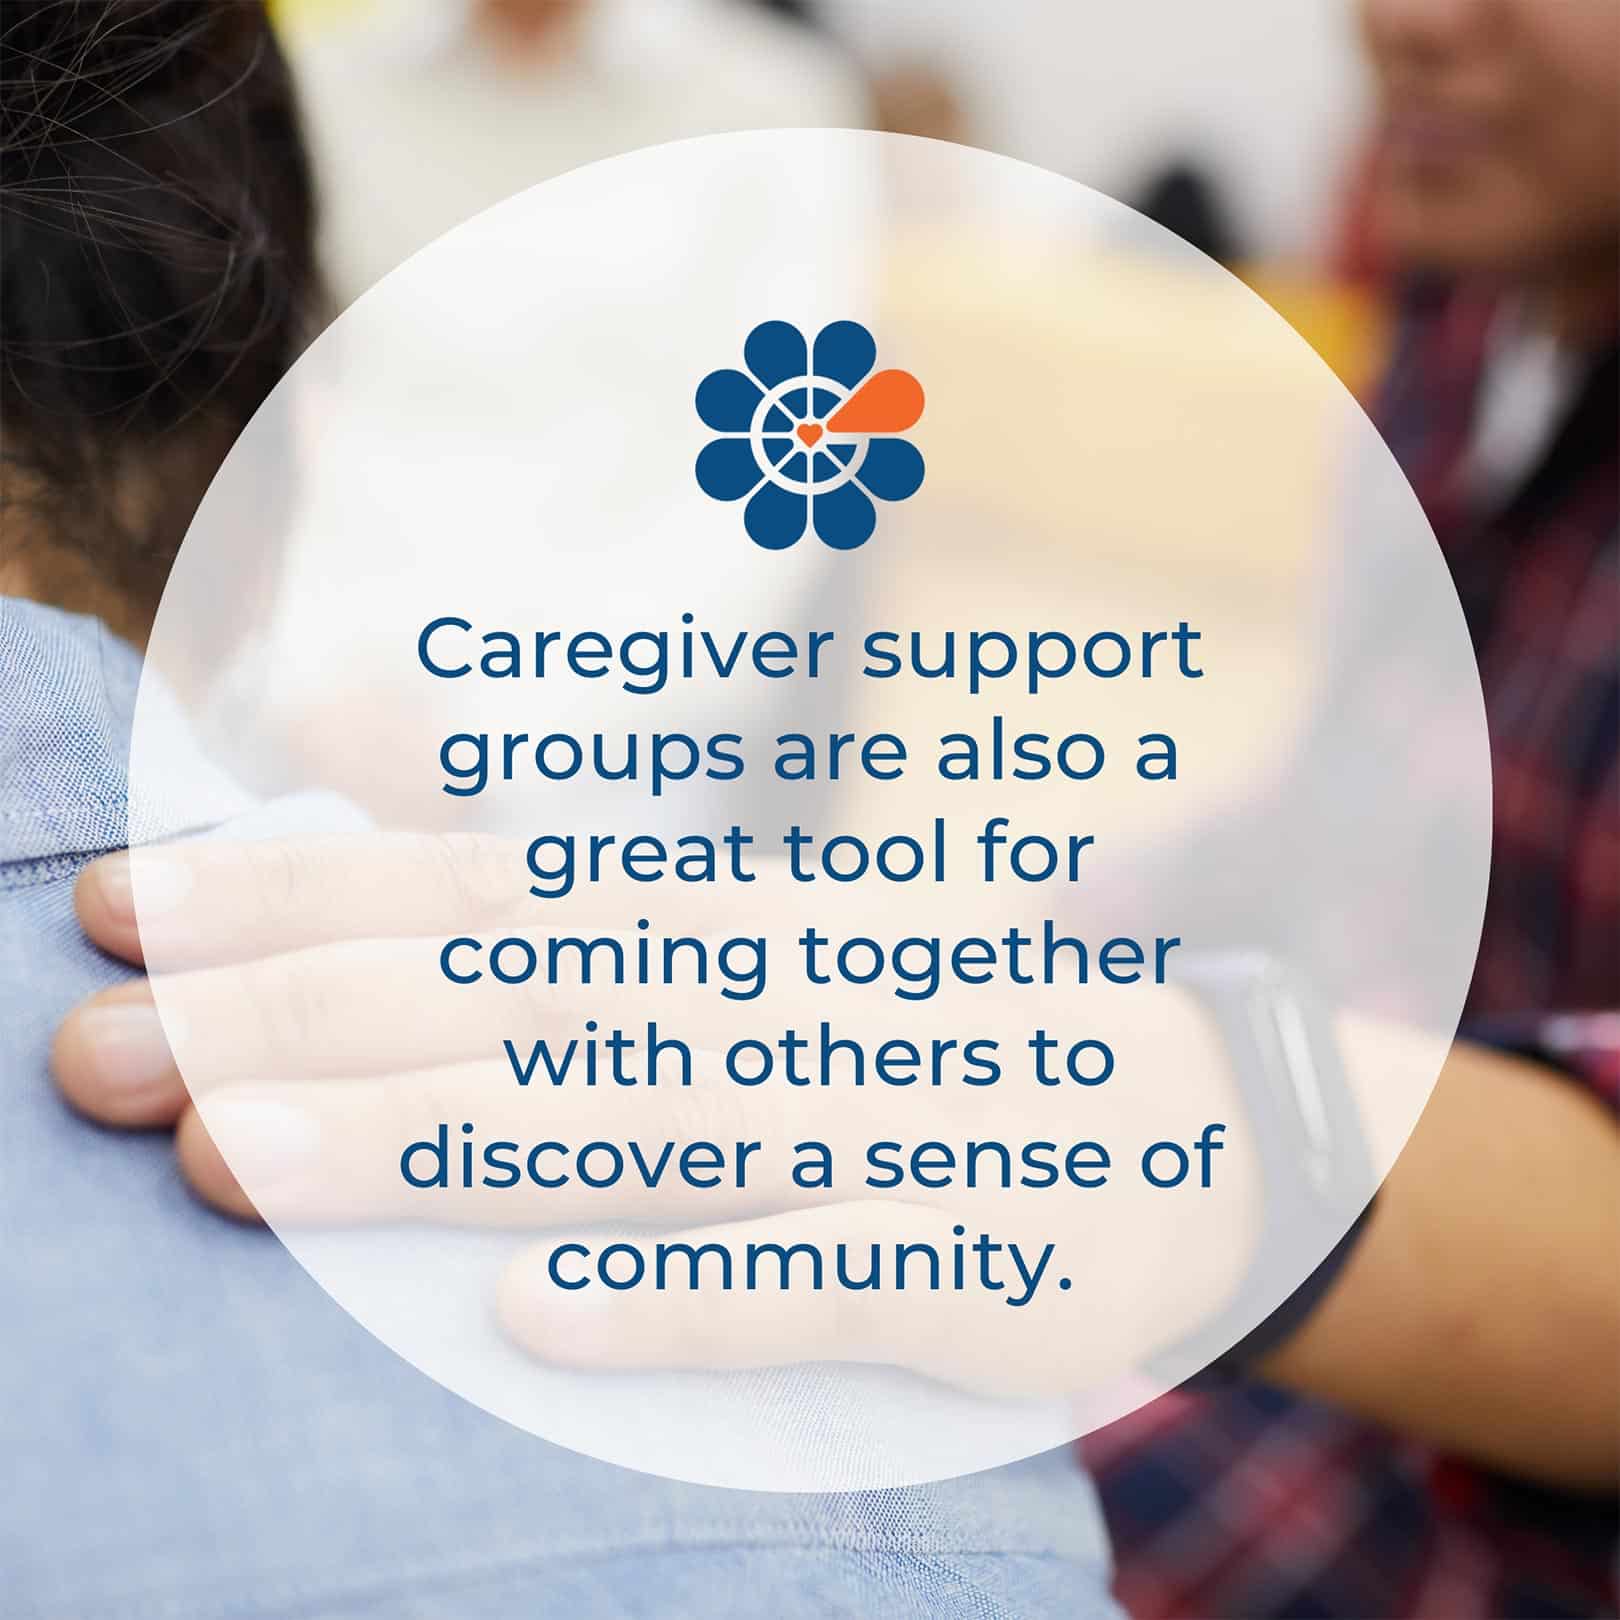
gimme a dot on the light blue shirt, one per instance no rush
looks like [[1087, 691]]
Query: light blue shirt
[[193, 1430]]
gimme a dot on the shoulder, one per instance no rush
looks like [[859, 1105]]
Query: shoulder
[[36, 639], [67, 699]]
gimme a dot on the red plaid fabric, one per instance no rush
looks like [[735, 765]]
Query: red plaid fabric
[[1539, 582], [1252, 1504]]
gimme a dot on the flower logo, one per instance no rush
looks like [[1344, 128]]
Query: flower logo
[[809, 434]]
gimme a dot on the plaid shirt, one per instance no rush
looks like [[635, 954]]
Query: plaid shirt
[[1250, 1503]]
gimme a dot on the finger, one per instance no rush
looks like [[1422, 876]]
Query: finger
[[763, 1298], [343, 1010], [380, 1006], [111, 1060], [105, 903], [396, 1148], [206, 1171], [207, 901]]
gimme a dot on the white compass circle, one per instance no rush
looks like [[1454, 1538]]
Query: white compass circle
[[772, 400]]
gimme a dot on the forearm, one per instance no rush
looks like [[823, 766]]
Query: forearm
[[1481, 1309]]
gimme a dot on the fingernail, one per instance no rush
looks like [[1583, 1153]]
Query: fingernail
[[111, 877], [263, 1141], [159, 886], [126, 1047]]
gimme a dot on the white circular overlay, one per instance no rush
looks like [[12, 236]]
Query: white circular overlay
[[700, 954]]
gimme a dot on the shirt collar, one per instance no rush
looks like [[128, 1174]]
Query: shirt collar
[[68, 691]]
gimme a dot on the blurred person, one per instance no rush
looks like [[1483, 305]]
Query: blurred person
[[1186, 197], [193, 1429], [1496, 196], [918, 98], [422, 113]]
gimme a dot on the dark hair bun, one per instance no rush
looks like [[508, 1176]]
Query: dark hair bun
[[156, 227]]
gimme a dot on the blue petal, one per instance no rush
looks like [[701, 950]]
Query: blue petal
[[775, 351], [774, 518], [893, 469], [845, 352], [726, 469], [726, 401], [845, 518]]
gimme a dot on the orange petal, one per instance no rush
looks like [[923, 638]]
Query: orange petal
[[889, 402]]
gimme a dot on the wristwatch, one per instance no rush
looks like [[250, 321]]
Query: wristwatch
[[1317, 1184]]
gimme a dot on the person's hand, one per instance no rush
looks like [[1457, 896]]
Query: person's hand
[[301, 988]]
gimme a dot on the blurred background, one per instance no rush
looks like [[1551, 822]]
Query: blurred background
[[423, 112]]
